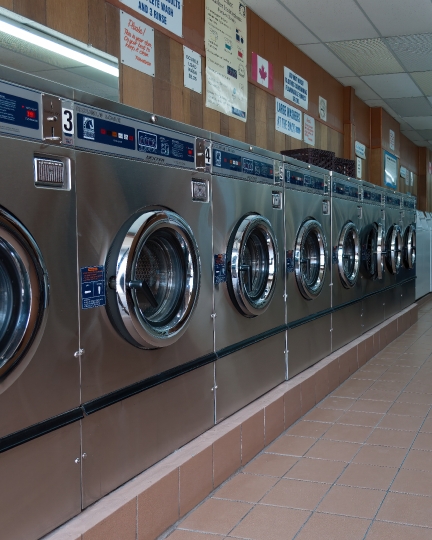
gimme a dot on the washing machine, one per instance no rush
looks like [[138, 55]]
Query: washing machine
[[423, 255], [308, 271], [146, 294], [372, 241], [347, 292], [39, 367], [248, 246], [407, 273]]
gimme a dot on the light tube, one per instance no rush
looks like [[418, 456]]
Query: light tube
[[57, 48]]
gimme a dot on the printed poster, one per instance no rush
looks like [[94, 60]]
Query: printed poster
[[296, 89], [262, 71], [166, 13], [309, 130], [390, 170], [192, 70], [226, 61], [136, 44], [288, 120]]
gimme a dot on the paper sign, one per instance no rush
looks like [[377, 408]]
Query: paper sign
[[295, 88], [359, 168], [392, 137], [136, 44], [166, 13], [411, 178], [322, 107], [192, 70], [288, 120], [309, 130], [403, 172], [262, 71], [390, 170], [360, 150]]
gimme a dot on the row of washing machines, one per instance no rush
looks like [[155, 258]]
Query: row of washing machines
[[154, 279], [424, 259]]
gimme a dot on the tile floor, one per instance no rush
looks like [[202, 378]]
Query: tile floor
[[358, 465]]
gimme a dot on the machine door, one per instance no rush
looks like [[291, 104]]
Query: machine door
[[394, 249], [157, 280], [409, 247], [23, 292], [372, 251], [349, 255], [310, 259], [252, 264]]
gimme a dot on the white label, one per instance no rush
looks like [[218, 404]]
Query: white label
[[192, 70], [295, 88], [322, 106], [392, 139], [359, 167], [403, 172], [166, 13], [411, 178], [288, 120], [360, 150], [309, 130], [136, 44], [68, 121]]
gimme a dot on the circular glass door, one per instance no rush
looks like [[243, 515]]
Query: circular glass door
[[372, 251], [310, 259], [394, 249], [349, 255], [23, 292], [409, 247], [252, 265], [157, 279]]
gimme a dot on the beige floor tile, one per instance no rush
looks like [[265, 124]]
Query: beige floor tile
[[391, 437], [418, 459], [342, 432], [409, 409], [410, 481], [316, 470], [410, 397], [369, 368], [370, 406], [246, 488], [427, 426], [215, 516], [270, 523], [180, 534], [395, 377], [351, 501], [332, 402], [423, 442], [385, 456], [323, 415], [296, 494], [308, 429], [333, 450], [380, 395], [367, 476], [290, 445], [356, 418], [330, 527], [391, 531], [352, 388], [388, 386], [270, 465], [408, 509], [405, 423]]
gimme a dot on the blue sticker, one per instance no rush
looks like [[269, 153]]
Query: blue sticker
[[19, 111], [220, 270], [92, 287], [104, 132]]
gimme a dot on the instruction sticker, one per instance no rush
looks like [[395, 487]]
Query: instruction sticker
[[220, 270], [92, 287]]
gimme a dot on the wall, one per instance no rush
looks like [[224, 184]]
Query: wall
[[409, 158]]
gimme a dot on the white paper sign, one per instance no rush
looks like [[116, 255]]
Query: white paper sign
[[309, 130], [322, 106], [166, 13], [359, 168], [136, 44], [390, 170], [295, 88], [411, 178], [403, 172], [192, 70], [392, 139], [288, 120], [360, 150]]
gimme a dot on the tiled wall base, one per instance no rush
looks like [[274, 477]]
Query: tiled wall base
[[153, 501]]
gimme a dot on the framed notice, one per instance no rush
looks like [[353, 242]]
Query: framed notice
[[288, 120], [165, 13], [136, 44], [390, 170]]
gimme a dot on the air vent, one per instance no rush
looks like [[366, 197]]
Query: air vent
[[414, 51], [52, 173]]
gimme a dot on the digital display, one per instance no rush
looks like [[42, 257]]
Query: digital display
[[297, 178], [372, 196], [340, 188]]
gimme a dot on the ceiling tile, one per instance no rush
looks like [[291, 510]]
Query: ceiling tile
[[425, 133], [334, 20], [366, 56], [393, 85], [419, 122], [415, 52], [418, 106], [362, 90], [276, 14], [394, 18], [424, 81], [326, 59]]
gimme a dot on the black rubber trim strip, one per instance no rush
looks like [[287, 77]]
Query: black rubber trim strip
[[251, 341], [37, 430], [300, 322], [347, 304], [119, 395]]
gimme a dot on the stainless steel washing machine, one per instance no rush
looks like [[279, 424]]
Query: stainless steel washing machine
[[423, 255], [248, 245], [372, 241], [146, 302], [308, 272], [39, 369], [407, 273], [347, 291]]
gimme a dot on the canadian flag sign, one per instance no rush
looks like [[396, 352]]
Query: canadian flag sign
[[262, 71]]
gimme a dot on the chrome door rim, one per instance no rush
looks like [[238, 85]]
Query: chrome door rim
[[349, 279], [394, 249], [410, 246], [257, 229], [377, 253], [171, 239], [311, 226]]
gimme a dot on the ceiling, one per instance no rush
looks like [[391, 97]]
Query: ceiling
[[382, 48]]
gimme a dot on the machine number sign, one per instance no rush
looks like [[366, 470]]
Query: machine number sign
[[208, 159], [68, 121]]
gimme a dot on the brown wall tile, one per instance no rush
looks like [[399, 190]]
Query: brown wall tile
[[196, 480], [274, 420], [158, 507], [119, 524], [333, 374], [348, 363], [292, 401], [321, 384], [252, 436], [307, 388], [226, 456]]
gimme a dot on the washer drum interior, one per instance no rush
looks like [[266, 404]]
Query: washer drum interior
[[409, 247], [394, 249], [349, 255], [157, 280], [252, 263], [372, 251], [310, 259]]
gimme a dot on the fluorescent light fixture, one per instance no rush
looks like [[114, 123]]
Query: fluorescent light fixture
[[52, 46]]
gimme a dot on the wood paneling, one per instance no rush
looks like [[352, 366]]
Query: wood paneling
[[409, 154], [176, 79], [362, 121], [193, 24], [162, 79], [388, 123], [112, 20], [8, 4], [70, 18], [137, 89], [376, 127], [32, 9], [97, 24]]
